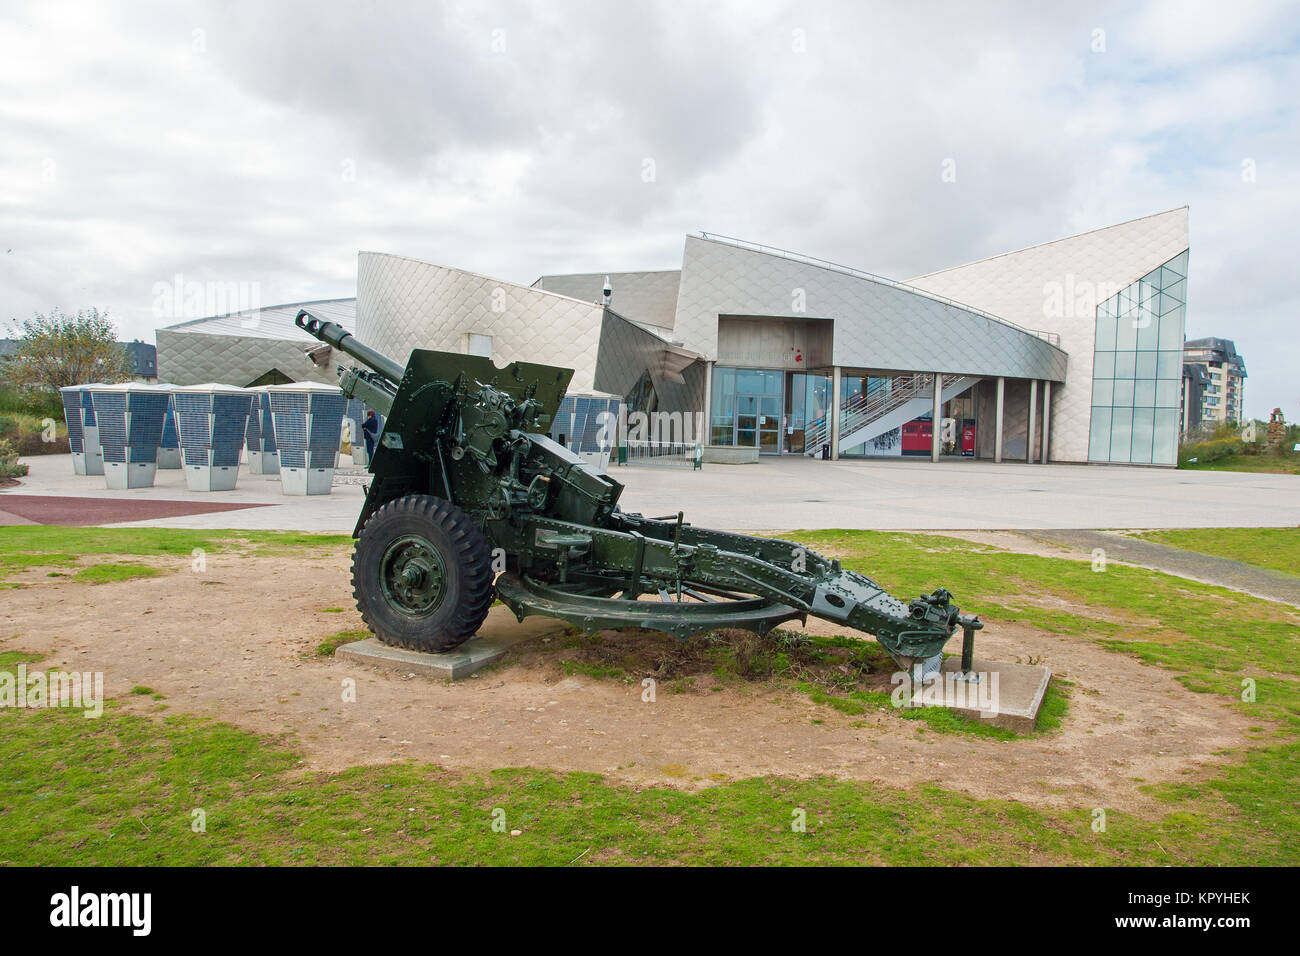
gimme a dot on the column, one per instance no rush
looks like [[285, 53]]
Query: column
[[835, 413], [997, 419], [707, 437], [936, 422], [1187, 394], [1033, 415], [1047, 417]]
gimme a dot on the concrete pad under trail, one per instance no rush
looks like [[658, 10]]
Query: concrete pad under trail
[[499, 633], [1006, 695]]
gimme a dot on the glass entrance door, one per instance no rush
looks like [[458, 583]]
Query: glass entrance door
[[807, 401], [758, 422], [746, 408]]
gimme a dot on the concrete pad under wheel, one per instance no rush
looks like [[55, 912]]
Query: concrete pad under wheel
[[499, 633], [1006, 695]]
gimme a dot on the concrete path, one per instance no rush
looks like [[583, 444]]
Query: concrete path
[[1260, 582], [783, 494], [905, 494]]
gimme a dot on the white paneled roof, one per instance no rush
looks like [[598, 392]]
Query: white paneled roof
[[274, 321]]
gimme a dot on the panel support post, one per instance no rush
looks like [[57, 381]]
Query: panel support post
[[1033, 421], [707, 437], [997, 419], [936, 422], [835, 413], [1187, 405], [1047, 417]]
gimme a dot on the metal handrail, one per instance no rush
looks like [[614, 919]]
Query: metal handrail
[[1051, 338], [960, 383], [866, 407]]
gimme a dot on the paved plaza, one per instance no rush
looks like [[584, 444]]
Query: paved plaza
[[780, 494]]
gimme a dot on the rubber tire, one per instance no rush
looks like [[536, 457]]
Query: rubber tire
[[467, 561]]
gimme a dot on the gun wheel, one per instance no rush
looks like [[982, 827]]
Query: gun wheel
[[422, 574]]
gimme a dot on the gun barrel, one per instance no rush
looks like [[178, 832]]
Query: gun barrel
[[334, 334]]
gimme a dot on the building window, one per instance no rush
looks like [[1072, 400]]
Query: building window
[[746, 408], [722, 415], [1137, 366]]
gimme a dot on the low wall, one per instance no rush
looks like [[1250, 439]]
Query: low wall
[[730, 455]]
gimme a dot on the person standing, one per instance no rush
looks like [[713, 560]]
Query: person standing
[[370, 431]]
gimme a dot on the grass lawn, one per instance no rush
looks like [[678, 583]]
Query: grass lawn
[[86, 553], [125, 788], [1275, 548], [1285, 464]]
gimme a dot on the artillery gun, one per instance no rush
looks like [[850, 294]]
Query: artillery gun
[[471, 498]]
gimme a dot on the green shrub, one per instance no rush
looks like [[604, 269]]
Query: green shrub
[[1209, 451], [10, 467], [40, 403], [34, 443], [27, 435]]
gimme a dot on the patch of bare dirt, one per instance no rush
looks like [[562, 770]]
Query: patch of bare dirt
[[1011, 541], [238, 643], [1048, 601]]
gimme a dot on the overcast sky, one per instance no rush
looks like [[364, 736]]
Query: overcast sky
[[266, 143]]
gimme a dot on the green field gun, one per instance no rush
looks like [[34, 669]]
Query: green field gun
[[471, 500]]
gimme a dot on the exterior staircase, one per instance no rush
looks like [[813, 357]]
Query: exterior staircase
[[887, 404]]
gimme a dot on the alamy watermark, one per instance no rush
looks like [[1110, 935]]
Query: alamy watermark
[[952, 689], [1076, 298], [72, 689], [180, 298], [668, 427], [133, 911]]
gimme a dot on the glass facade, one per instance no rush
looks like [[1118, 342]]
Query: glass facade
[[808, 402], [767, 408], [746, 408], [857, 387], [1137, 369]]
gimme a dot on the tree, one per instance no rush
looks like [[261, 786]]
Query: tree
[[56, 350]]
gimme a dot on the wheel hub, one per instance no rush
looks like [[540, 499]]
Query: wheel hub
[[413, 575]]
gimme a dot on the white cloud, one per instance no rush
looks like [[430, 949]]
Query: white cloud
[[268, 143]]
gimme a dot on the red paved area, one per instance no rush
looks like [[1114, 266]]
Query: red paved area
[[77, 512]]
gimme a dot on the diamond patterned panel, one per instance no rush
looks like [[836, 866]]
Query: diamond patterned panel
[[878, 325], [404, 304], [197, 357]]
